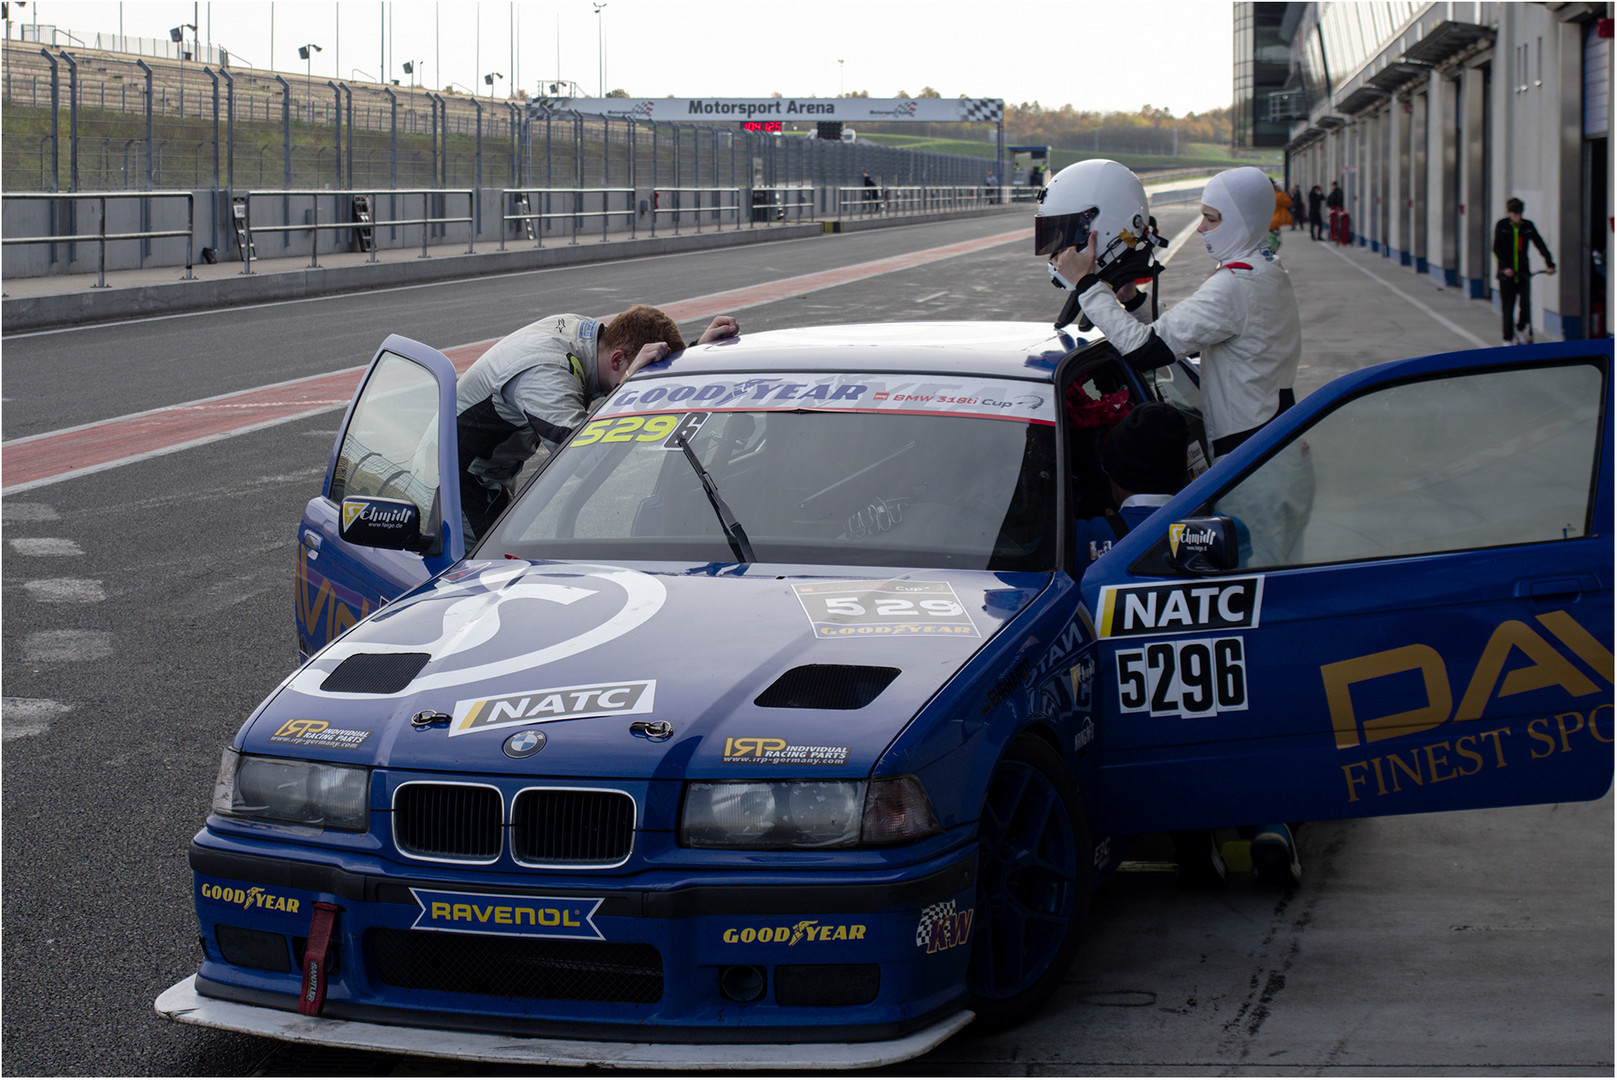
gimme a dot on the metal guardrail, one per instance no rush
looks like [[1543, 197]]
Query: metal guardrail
[[860, 201], [522, 201], [726, 200], [374, 195], [103, 238]]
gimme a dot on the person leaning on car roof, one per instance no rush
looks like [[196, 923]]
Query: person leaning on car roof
[[535, 386]]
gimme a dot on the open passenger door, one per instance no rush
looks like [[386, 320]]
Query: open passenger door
[[394, 465], [1415, 613]]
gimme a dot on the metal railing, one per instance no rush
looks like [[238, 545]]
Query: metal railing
[[102, 238], [726, 201], [520, 209], [860, 201], [374, 195]]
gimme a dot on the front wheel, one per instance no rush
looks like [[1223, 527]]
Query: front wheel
[[1035, 861]]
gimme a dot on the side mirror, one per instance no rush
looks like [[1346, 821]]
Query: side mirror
[[395, 524], [1204, 545]]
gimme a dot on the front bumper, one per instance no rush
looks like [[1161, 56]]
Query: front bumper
[[181, 1002], [838, 959]]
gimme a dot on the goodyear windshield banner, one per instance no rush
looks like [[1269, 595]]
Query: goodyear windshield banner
[[999, 399]]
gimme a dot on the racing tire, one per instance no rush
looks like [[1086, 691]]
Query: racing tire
[[1035, 866]]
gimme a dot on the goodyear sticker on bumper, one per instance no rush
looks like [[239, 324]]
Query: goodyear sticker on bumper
[[507, 916]]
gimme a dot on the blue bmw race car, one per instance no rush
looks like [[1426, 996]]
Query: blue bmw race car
[[781, 721]]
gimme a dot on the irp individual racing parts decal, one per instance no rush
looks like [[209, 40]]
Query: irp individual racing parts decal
[[602, 603], [319, 733], [843, 609], [771, 751], [507, 916], [558, 703], [1220, 604]]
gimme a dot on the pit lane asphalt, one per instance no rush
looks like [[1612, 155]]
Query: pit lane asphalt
[[1469, 943]]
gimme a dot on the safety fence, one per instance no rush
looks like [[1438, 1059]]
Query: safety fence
[[67, 206], [85, 119]]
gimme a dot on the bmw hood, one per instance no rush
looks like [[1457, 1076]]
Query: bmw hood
[[644, 671]]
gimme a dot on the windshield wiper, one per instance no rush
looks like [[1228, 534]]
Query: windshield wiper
[[733, 531]]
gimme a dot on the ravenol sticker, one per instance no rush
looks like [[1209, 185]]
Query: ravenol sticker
[[1180, 607], [769, 751], [507, 916], [891, 608], [559, 703], [319, 733]]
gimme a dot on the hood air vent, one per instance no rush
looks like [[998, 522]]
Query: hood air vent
[[375, 673], [827, 686]]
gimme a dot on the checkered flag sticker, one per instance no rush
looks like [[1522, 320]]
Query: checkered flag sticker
[[930, 914], [982, 109]]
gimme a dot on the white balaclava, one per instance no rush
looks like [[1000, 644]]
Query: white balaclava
[[1245, 200]]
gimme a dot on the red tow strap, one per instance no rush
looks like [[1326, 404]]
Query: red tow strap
[[313, 996]]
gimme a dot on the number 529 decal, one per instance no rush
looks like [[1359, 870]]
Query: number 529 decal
[[1191, 678]]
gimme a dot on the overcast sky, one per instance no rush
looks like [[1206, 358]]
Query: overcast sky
[[1175, 54]]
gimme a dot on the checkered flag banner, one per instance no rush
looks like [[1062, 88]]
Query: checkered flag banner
[[991, 110]]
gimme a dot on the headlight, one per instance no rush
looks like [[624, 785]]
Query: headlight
[[289, 792], [788, 814]]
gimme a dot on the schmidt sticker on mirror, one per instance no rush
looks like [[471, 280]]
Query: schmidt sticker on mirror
[[560, 703], [1223, 604]]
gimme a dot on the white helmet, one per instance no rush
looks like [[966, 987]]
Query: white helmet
[[1097, 196]]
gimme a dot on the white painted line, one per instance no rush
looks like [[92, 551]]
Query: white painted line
[[11, 511], [1464, 335], [66, 590], [46, 545], [1179, 240], [54, 646], [20, 717], [176, 448]]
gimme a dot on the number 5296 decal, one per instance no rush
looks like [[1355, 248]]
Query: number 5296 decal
[[1191, 678]]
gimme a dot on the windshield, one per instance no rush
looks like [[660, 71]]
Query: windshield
[[965, 480]]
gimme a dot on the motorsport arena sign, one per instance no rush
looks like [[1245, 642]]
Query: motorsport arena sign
[[846, 110]]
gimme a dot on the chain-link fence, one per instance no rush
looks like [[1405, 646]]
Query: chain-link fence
[[89, 120]]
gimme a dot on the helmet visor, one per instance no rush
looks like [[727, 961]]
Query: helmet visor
[[1056, 231]]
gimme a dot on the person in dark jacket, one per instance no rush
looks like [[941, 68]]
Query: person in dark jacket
[[1316, 213], [1510, 238], [1145, 458], [1334, 203]]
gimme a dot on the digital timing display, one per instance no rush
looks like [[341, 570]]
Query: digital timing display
[[769, 126]]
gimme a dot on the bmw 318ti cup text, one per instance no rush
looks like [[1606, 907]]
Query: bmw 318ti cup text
[[780, 722]]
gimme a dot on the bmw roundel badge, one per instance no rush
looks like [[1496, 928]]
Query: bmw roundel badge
[[524, 744]]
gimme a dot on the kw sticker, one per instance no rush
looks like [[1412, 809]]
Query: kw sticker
[[507, 916], [560, 703], [767, 751], [884, 608], [942, 928], [1180, 607]]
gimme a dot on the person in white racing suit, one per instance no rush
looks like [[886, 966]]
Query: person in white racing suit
[[534, 386], [1243, 319]]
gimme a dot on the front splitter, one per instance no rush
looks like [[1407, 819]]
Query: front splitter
[[181, 1002]]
